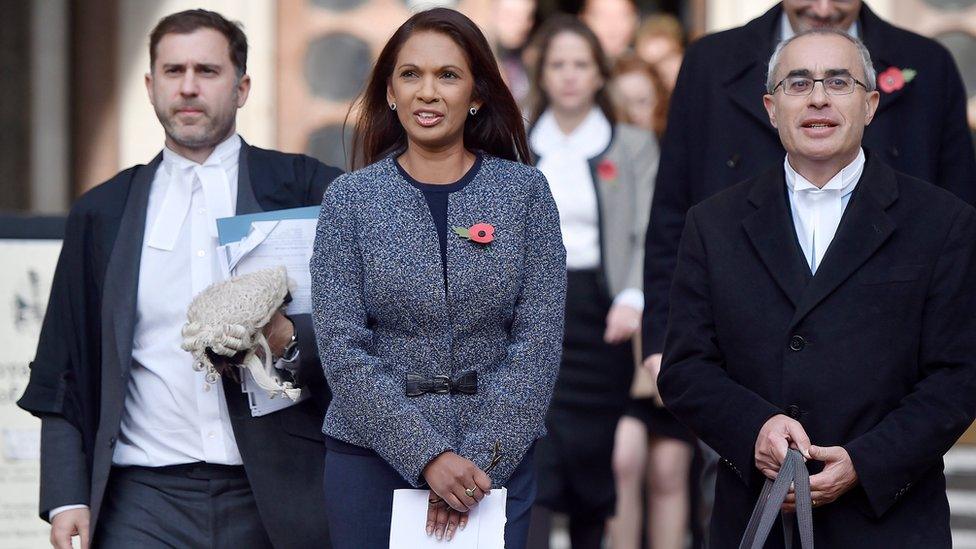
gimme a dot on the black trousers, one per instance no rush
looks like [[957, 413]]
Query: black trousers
[[188, 506]]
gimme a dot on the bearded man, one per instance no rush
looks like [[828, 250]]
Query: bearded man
[[138, 449]]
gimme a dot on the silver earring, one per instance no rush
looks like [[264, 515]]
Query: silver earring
[[473, 111], [392, 106]]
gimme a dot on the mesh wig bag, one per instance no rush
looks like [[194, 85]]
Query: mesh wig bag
[[227, 319]]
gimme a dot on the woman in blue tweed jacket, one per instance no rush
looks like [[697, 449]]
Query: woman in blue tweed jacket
[[438, 286]]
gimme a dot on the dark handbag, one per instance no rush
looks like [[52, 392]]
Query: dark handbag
[[794, 471]]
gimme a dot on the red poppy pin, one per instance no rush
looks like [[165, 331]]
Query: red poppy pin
[[482, 233], [894, 79], [606, 170]]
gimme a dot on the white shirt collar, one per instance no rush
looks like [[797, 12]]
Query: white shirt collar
[[183, 176], [817, 212], [588, 140], [786, 29], [845, 180], [223, 154]]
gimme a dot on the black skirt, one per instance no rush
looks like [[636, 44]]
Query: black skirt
[[573, 462], [658, 420]]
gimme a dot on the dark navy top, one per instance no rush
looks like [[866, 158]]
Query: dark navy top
[[436, 197]]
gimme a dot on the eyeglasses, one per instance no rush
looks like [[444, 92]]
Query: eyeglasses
[[833, 85]]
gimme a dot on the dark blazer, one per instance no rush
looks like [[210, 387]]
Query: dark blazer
[[80, 373], [719, 134], [876, 352]]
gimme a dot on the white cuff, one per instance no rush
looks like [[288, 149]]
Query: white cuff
[[631, 297], [58, 510]]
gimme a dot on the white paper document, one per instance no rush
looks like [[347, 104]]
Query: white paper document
[[286, 242], [485, 529], [283, 242]]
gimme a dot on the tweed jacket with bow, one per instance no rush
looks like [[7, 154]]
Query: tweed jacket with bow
[[381, 311]]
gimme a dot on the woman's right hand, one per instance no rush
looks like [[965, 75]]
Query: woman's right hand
[[449, 475]]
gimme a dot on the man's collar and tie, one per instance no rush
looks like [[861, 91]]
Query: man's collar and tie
[[817, 211], [178, 260], [183, 176]]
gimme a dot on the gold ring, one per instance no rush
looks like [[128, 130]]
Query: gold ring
[[813, 502], [470, 492]]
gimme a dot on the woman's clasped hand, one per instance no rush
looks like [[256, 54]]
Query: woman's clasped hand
[[456, 486]]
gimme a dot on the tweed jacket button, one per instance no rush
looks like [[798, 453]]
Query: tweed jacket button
[[797, 343]]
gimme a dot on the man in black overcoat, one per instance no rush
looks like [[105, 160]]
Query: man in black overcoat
[[828, 305], [718, 133], [137, 448]]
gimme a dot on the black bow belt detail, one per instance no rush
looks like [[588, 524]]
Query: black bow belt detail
[[417, 385]]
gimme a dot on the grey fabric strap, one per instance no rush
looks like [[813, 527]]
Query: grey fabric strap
[[771, 498]]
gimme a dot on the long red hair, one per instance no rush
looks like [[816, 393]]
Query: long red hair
[[632, 63]]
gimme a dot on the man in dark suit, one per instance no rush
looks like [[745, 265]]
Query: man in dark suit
[[138, 449], [719, 135], [828, 305]]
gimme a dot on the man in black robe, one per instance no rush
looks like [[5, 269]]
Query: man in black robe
[[137, 448]]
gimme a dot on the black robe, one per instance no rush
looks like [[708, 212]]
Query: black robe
[[66, 377]]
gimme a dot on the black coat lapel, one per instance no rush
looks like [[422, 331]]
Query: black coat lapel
[[770, 229], [875, 34], [745, 75], [864, 227], [122, 273], [247, 202], [746, 90]]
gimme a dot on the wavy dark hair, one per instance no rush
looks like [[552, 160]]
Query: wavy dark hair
[[498, 129], [555, 26]]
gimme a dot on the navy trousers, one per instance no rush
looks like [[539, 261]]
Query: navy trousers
[[359, 500]]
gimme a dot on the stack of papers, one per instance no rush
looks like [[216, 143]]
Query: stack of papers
[[485, 529], [253, 242], [259, 241]]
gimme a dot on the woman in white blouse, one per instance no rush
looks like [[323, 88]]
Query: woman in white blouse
[[601, 175]]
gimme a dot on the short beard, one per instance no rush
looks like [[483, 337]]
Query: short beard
[[212, 135]]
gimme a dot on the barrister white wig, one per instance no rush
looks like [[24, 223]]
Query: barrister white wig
[[228, 317]]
